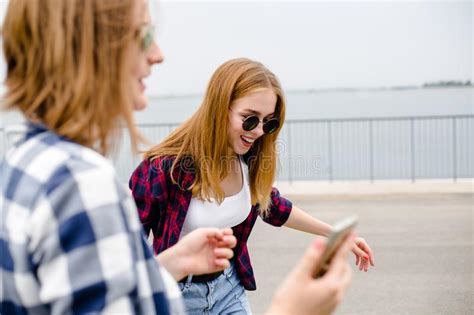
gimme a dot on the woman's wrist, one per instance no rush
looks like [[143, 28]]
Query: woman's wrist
[[172, 261]]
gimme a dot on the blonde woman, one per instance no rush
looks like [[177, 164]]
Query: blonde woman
[[70, 238], [217, 170]]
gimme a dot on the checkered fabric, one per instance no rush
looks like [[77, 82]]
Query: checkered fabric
[[70, 238]]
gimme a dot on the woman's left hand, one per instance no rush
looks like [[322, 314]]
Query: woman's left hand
[[204, 250], [363, 253]]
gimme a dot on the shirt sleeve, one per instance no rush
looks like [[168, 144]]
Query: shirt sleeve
[[149, 190], [280, 209], [82, 243], [173, 293]]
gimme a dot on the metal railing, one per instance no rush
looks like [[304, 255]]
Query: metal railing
[[378, 148], [411, 148]]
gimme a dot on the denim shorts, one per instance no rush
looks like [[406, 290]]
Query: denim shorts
[[223, 295]]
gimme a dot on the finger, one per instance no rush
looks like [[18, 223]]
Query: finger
[[229, 241], [365, 261], [370, 254], [358, 251], [357, 259], [367, 251], [213, 234], [227, 231], [223, 253], [366, 265], [221, 263]]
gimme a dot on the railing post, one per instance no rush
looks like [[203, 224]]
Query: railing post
[[455, 178], [412, 137], [371, 148], [330, 168]]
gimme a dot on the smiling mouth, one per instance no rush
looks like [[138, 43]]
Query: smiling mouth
[[247, 141]]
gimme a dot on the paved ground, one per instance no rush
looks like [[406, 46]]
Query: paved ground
[[423, 246]]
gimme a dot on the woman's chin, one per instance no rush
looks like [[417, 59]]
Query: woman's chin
[[241, 150], [139, 105]]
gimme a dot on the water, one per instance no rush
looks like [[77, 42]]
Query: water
[[338, 104], [325, 104]]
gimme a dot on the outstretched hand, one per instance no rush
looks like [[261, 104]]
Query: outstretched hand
[[205, 250], [363, 253]]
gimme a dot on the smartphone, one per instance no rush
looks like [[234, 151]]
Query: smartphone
[[340, 231]]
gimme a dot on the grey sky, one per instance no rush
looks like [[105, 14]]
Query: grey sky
[[323, 44]]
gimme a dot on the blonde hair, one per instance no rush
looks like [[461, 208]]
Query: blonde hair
[[66, 67], [203, 137]]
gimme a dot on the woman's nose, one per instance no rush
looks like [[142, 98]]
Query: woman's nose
[[155, 54], [258, 131]]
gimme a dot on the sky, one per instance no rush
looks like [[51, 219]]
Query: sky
[[312, 44]]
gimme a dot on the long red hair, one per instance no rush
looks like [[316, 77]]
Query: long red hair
[[203, 137]]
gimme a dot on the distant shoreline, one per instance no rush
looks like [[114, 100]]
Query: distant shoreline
[[325, 90]]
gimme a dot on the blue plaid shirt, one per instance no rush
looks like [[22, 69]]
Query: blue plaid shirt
[[70, 238]]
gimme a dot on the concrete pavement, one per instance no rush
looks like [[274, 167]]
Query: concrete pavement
[[423, 245]]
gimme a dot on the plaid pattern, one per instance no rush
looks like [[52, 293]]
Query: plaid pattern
[[70, 238], [162, 207]]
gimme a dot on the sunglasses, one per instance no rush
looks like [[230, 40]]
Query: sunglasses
[[146, 36], [269, 125]]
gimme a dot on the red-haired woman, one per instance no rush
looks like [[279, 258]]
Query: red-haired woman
[[70, 238], [217, 170]]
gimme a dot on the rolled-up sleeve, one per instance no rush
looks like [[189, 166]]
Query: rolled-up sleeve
[[280, 209]]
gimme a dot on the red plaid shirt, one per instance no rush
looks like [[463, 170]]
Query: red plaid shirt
[[162, 207]]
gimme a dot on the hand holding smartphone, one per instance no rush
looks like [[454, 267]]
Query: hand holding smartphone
[[339, 233]]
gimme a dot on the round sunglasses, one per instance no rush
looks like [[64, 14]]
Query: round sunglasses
[[269, 125]]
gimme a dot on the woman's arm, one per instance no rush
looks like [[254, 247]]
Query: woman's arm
[[283, 212], [301, 221]]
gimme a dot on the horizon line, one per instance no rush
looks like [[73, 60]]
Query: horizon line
[[428, 85]]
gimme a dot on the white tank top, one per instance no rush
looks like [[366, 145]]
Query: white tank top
[[231, 212]]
